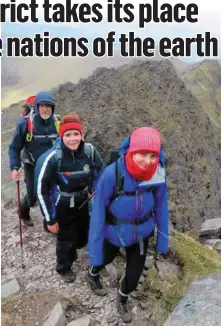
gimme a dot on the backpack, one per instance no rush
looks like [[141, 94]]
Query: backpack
[[88, 149], [29, 114]]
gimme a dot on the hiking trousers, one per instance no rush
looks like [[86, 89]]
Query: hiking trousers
[[30, 197], [134, 264], [72, 235]]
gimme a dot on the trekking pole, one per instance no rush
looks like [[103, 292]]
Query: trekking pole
[[87, 200], [20, 224]]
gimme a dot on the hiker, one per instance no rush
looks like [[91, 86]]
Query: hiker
[[131, 200], [35, 133], [73, 165]]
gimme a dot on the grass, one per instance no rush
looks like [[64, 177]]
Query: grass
[[195, 260], [204, 82]]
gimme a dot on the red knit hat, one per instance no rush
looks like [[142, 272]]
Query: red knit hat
[[145, 139], [70, 121]]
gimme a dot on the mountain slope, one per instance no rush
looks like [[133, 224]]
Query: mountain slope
[[204, 80], [114, 101], [24, 76]]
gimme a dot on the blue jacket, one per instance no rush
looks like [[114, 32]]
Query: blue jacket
[[128, 208], [48, 173], [40, 142]]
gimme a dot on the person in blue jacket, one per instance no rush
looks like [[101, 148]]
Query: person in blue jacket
[[73, 165], [34, 135], [131, 201]]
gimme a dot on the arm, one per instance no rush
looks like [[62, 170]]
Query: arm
[[161, 213], [104, 190], [17, 144], [45, 172]]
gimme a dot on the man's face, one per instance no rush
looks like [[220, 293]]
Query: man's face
[[45, 111]]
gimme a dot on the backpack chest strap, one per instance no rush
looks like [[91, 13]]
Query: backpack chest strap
[[45, 136], [74, 194], [111, 219]]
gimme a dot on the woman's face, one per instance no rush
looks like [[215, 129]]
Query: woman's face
[[72, 139], [145, 160]]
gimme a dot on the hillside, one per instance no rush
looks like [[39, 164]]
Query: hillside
[[22, 77], [114, 101], [204, 80]]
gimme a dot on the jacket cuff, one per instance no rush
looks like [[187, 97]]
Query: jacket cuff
[[51, 222], [15, 168]]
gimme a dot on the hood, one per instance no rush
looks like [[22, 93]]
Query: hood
[[124, 145], [45, 97]]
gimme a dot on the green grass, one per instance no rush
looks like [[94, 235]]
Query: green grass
[[204, 82]]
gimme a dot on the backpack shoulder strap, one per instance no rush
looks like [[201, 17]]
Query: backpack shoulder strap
[[59, 156], [30, 125], [119, 181], [57, 121], [89, 151]]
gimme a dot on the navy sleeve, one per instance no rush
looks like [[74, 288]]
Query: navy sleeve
[[104, 190], [161, 212], [17, 144], [45, 172]]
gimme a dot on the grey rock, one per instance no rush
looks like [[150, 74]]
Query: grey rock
[[110, 319], [218, 247], [212, 242], [43, 243], [56, 317], [122, 252], [149, 261], [142, 278], [13, 240], [99, 304], [111, 270], [31, 285], [9, 288], [145, 322], [211, 227], [143, 305], [135, 310], [201, 306], [135, 294], [83, 321], [33, 243]]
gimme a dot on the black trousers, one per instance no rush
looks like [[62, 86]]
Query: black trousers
[[134, 264], [72, 235], [30, 198]]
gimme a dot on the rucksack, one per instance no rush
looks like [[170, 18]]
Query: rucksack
[[88, 149], [29, 114]]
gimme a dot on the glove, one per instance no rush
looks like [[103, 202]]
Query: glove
[[53, 228], [16, 175]]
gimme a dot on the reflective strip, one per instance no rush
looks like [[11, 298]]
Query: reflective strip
[[90, 272], [75, 193], [45, 136], [40, 197], [123, 294], [58, 196]]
